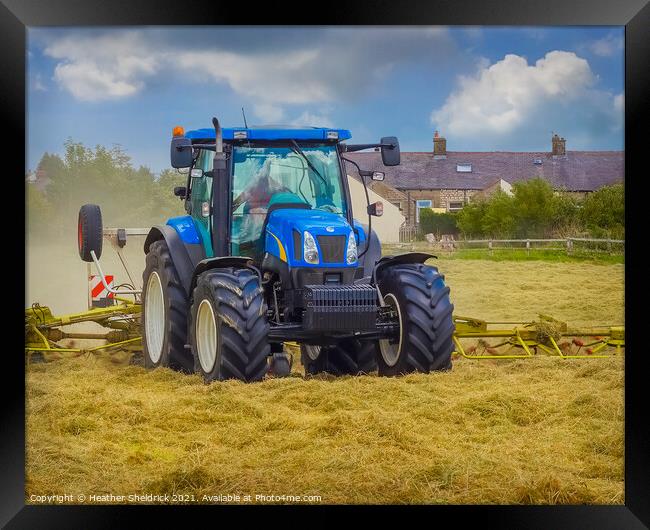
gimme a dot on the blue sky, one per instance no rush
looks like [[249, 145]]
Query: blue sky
[[483, 88]]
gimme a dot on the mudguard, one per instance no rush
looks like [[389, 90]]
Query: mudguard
[[224, 261], [407, 257], [185, 259]]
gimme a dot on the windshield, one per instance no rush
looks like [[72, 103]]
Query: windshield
[[266, 175]]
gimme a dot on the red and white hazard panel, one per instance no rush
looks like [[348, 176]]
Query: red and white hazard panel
[[99, 295]]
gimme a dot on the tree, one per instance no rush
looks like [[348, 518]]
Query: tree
[[499, 218], [437, 223], [127, 196], [534, 210], [566, 220], [534, 206], [470, 219], [603, 211], [39, 214]]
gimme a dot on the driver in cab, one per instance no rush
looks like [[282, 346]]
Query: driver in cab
[[258, 194], [256, 198]]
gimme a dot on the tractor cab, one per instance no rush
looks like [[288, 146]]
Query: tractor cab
[[269, 179], [283, 200]]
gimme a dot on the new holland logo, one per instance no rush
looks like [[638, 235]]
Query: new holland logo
[[329, 228]]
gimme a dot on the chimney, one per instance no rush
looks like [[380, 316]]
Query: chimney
[[439, 146], [558, 146]]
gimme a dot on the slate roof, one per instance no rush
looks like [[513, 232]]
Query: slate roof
[[577, 171]]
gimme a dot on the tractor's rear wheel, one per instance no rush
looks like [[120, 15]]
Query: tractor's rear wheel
[[229, 330], [420, 301], [347, 357], [164, 312]]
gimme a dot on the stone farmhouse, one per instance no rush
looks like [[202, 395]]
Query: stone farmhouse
[[447, 180]]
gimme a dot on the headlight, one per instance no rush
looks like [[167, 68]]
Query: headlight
[[352, 249], [309, 249]]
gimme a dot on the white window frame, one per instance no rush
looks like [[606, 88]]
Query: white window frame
[[419, 204], [459, 166]]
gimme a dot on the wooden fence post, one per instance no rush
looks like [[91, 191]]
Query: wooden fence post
[[569, 246], [490, 246], [528, 247]]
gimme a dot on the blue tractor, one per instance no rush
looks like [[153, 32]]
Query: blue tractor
[[269, 252]]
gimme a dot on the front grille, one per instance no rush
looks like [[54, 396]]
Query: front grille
[[340, 307], [297, 245], [332, 248]]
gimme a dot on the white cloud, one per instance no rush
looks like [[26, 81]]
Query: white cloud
[[87, 82], [619, 102], [512, 98], [37, 83], [277, 78], [312, 120], [103, 67], [268, 113], [607, 46], [274, 67]]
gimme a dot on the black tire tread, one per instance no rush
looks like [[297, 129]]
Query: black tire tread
[[348, 357], [239, 303], [175, 356], [427, 315], [90, 219]]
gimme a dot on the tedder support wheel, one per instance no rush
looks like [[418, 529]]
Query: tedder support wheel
[[229, 328], [347, 357], [420, 299], [164, 312], [89, 231]]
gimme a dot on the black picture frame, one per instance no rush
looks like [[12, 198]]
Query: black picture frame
[[17, 15]]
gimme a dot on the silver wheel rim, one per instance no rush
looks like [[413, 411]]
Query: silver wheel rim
[[391, 352], [312, 351], [154, 308], [206, 336]]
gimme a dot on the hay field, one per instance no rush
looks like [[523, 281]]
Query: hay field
[[511, 431]]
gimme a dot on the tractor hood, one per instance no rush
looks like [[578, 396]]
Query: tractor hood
[[285, 234], [318, 221]]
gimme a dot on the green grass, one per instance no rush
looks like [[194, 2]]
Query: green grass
[[514, 254], [558, 256]]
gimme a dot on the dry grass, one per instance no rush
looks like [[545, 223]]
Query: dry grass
[[523, 431]]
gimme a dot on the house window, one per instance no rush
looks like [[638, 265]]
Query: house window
[[454, 206], [397, 203], [418, 206], [463, 168]]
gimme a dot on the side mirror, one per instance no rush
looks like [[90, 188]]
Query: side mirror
[[181, 152], [180, 191], [390, 155], [378, 175], [376, 209]]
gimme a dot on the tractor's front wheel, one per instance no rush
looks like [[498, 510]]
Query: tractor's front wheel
[[419, 301], [347, 357], [229, 330], [164, 312]]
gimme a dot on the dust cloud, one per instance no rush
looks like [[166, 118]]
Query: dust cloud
[[56, 277]]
